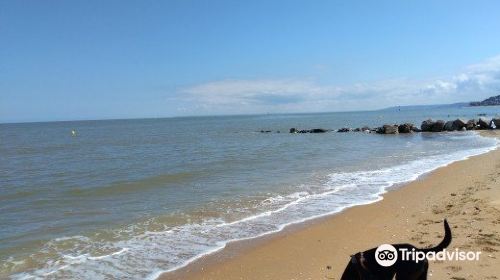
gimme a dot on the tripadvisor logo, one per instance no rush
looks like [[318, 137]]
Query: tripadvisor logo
[[387, 255]]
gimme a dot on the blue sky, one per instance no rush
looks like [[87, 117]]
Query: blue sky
[[66, 60]]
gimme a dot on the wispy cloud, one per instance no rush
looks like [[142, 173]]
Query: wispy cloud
[[245, 92], [295, 95]]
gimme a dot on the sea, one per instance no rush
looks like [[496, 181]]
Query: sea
[[130, 199]]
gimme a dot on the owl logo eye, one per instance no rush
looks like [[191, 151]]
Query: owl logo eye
[[386, 255]]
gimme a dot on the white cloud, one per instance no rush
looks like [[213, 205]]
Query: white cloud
[[252, 91], [476, 82]]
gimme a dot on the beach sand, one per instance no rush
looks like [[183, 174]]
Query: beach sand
[[467, 193]]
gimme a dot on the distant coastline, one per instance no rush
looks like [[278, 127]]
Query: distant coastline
[[491, 101]]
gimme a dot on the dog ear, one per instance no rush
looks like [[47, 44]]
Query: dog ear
[[354, 259]]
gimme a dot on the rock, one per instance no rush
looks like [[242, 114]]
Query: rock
[[471, 124], [458, 124], [293, 130], [438, 126], [448, 126], [304, 131], [265, 131], [318, 130], [484, 123], [416, 129], [405, 128], [391, 129], [363, 129], [344, 129], [427, 125], [388, 129], [496, 122]]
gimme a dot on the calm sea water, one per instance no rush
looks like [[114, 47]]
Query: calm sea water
[[129, 199]]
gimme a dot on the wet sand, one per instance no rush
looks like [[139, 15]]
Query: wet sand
[[467, 193]]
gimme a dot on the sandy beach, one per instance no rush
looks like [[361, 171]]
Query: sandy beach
[[467, 193]]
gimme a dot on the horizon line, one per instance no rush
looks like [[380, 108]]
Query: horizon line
[[225, 115]]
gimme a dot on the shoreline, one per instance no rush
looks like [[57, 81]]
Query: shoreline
[[329, 240]]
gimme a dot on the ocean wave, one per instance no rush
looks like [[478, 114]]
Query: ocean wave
[[161, 181]]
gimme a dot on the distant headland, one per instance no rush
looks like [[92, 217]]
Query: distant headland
[[492, 101]]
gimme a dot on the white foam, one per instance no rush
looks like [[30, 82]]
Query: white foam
[[123, 250]]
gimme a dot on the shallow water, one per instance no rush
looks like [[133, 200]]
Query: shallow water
[[131, 198]]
